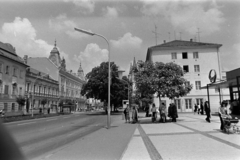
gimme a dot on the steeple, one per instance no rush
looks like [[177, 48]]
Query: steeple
[[55, 55], [80, 72]]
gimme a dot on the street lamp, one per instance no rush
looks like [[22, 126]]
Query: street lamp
[[109, 70]]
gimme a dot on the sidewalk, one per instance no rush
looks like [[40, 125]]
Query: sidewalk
[[191, 138]]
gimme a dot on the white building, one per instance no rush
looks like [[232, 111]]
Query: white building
[[197, 59]]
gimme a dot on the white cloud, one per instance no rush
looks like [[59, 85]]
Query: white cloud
[[86, 6], [22, 35], [127, 41], [110, 12], [63, 24], [91, 57], [187, 15]]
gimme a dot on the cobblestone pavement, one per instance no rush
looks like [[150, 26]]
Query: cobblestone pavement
[[191, 138]]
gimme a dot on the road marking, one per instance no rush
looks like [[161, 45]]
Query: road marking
[[25, 123], [66, 117], [52, 119]]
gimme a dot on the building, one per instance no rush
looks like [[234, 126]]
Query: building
[[40, 87], [196, 59], [70, 83], [12, 79]]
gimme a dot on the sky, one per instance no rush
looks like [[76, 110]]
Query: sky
[[32, 26]]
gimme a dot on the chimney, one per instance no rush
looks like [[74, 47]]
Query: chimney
[[164, 41], [25, 59], [190, 40]]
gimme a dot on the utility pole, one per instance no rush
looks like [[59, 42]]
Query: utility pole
[[156, 33]]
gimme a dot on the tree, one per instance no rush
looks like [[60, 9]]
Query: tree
[[97, 84], [164, 80], [21, 101], [43, 102]]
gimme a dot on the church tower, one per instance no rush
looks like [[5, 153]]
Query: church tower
[[80, 72], [55, 55]]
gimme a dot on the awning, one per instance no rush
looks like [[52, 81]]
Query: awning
[[224, 84]]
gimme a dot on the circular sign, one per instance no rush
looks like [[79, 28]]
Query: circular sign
[[212, 76]]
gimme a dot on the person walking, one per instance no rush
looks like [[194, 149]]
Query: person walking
[[126, 113], [174, 113], [195, 108], [154, 112], [199, 108], [162, 111], [202, 108], [208, 111], [147, 110], [134, 115]]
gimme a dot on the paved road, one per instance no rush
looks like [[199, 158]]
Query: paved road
[[39, 137]]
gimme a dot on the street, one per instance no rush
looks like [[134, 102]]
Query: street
[[37, 138]]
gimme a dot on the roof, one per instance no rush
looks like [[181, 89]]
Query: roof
[[7, 47], [180, 44]]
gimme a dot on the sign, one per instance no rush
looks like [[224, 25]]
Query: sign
[[212, 76]]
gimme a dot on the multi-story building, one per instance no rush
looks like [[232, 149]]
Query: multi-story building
[[40, 87], [70, 83], [12, 79], [196, 59]]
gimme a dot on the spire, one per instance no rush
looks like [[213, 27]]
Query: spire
[[134, 63], [55, 43], [80, 72]]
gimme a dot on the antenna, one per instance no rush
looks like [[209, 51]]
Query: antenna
[[180, 35], [156, 33], [174, 35], [169, 34], [198, 32]]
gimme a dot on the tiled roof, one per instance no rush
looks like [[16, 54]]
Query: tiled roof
[[184, 44]]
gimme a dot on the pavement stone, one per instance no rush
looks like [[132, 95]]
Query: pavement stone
[[190, 138]]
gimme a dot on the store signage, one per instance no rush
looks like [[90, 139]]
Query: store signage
[[212, 76]]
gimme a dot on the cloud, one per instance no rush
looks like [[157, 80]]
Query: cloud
[[85, 6], [22, 35], [91, 57], [110, 12], [63, 24], [187, 15], [127, 41]]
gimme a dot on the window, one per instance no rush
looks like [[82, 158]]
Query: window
[[7, 70], [177, 103], [5, 107], [174, 55], [184, 55], [185, 68], [14, 89], [21, 74], [187, 83], [196, 68], [34, 88], [28, 87], [14, 72], [6, 89], [13, 106], [199, 100], [188, 103], [195, 55], [198, 85]]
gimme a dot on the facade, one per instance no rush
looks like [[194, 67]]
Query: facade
[[70, 83], [39, 87], [12, 79], [196, 59]]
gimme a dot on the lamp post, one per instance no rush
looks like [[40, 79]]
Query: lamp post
[[109, 71]]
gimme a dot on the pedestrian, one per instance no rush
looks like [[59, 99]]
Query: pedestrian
[[199, 108], [208, 111], [154, 112], [163, 111], [134, 115], [2, 112], [147, 110], [222, 112], [126, 113], [174, 113], [195, 108], [202, 110]]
